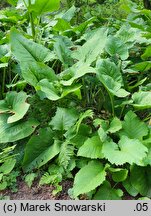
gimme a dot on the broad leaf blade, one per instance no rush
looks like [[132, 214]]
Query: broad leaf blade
[[142, 100], [141, 180], [33, 72], [64, 119], [92, 48], [44, 149], [106, 192], [88, 178], [26, 50], [15, 131], [133, 127], [110, 76], [43, 6], [92, 148], [127, 151], [15, 104], [115, 46]]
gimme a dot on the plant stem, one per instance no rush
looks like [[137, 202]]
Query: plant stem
[[3, 81], [122, 111], [112, 103], [31, 20]]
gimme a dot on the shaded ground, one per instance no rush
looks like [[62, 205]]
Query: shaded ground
[[37, 193]]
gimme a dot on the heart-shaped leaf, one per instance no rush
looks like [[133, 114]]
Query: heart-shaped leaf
[[109, 74]]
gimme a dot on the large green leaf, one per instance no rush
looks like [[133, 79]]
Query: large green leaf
[[142, 100], [106, 192], [40, 149], [115, 125], [147, 143], [92, 148], [92, 48], [141, 180], [88, 178], [142, 66], [110, 76], [69, 14], [115, 46], [78, 70], [147, 53], [63, 52], [62, 25], [15, 104], [33, 72], [64, 119], [54, 90], [15, 131], [133, 127], [118, 174], [127, 151], [129, 187], [51, 91], [7, 166], [26, 50], [43, 6]]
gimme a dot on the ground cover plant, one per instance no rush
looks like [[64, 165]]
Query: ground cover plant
[[75, 97]]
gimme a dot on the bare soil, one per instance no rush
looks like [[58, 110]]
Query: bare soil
[[37, 192]]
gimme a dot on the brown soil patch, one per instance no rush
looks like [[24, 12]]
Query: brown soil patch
[[37, 192]]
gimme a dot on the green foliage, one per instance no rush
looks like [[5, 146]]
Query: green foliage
[[88, 178], [44, 148], [106, 192], [75, 96], [30, 178], [11, 132], [15, 104], [63, 119]]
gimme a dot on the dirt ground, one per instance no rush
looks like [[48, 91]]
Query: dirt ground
[[37, 193]]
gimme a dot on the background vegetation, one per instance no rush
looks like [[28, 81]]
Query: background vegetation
[[75, 96]]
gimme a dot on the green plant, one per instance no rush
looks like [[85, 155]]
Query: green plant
[[79, 99]]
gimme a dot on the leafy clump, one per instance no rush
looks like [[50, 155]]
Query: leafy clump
[[75, 97]]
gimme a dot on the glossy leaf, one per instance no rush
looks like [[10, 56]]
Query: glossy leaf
[[33, 72], [118, 174], [115, 125], [78, 70], [63, 52], [7, 166]]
